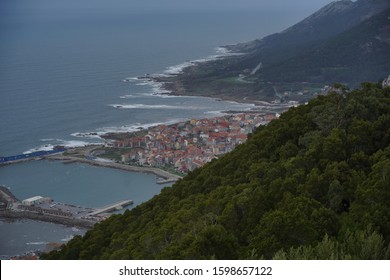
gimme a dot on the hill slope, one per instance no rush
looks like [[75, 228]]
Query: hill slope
[[360, 53], [331, 20], [346, 42], [312, 184]]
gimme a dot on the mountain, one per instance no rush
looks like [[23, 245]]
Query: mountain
[[360, 53], [333, 19], [313, 184], [346, 42]]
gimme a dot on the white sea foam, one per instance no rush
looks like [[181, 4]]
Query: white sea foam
[[159, 90], [127, 96], [145, 94], [134, 127], [75, 143], [241, 104], [67, 238], [214, 113], [156, 87], [46, 139], [75, 229], [123, 128], [144, 83], [60, 142], [169, 96], [37, 243], [90, 135], [46, 147], [158, 106], [178, 69], [131, 79], [221, 52]]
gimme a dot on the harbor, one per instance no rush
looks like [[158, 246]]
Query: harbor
[[29, 156], [76, 184], [46, 209], [82, 155]]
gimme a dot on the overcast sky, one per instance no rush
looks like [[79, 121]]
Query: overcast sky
[[122, 6]]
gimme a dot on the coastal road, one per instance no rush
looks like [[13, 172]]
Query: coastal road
[[150, 170]]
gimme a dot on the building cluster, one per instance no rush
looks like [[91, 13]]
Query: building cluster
[[188, 145], [41, 210], [33, 205], [47, 206]]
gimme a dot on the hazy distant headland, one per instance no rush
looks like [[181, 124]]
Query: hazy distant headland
[[344, 42]]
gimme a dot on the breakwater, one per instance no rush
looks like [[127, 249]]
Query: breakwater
[[57, 155], [168, 177], [47, 210], [29, 156], [7, 214]]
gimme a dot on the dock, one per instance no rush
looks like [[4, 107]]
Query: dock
[[112, 207], [46, 209], [29, 156], [166, 181]]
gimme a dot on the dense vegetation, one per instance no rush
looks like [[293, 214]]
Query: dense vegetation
[[314, 184]]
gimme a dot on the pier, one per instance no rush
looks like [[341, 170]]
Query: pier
[[29, 156], [46, 209], [112, 207], [166, 181]]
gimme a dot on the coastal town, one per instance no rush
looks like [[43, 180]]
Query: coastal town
[[168, 151], [187, 145]]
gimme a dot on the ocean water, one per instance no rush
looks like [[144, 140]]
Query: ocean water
[[62, 77]]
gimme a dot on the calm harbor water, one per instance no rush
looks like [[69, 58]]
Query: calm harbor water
[[76, 184], [61, 76]]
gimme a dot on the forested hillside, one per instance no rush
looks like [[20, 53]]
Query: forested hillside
[[313, 184]]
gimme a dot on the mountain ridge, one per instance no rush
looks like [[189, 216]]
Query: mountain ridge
[[295, 61], [344, 53], [330, 20]]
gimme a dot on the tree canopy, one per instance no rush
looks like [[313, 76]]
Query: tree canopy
[[313, 184]]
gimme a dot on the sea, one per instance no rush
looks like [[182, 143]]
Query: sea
[[66, 78]]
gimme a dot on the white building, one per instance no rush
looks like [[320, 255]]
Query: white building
[[33, 200]]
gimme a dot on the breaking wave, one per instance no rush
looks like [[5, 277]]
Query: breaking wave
[[63, 143], [67, 238], [159, 106], [221, 52], [134, 127], [37, 243]]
